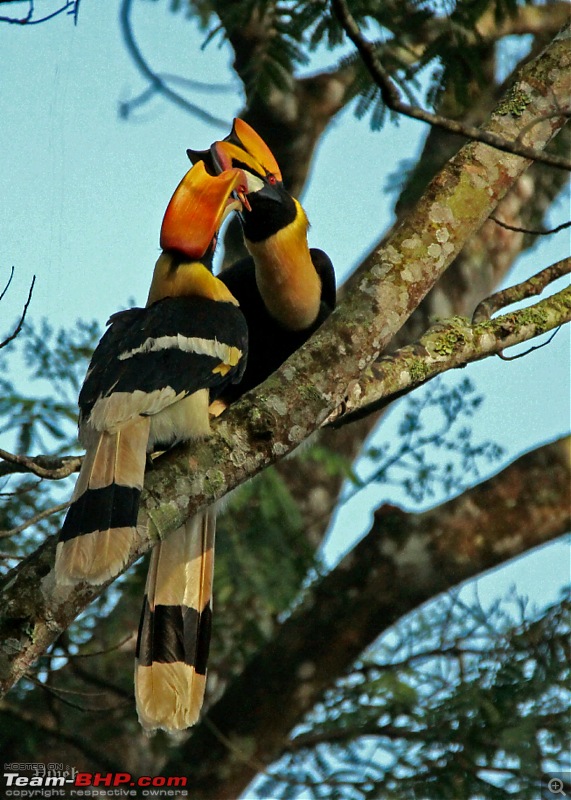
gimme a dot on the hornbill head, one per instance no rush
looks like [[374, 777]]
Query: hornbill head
[[266, 205], [196, 210]]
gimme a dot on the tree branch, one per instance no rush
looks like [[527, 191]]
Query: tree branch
[[71, 6], [529, 231], [273, 420], [18, 327], [158, 83], [521, 291], [534, 20], [391, 98], [455, 343], [50, 467], [33, 520]]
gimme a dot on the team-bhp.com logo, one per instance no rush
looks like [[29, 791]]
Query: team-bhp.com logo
[[53, 780]]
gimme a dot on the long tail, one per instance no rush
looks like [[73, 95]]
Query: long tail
[[174, 632], [98, 531]]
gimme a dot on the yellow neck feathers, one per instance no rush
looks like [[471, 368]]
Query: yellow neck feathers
[[286, 278], [186, 279]]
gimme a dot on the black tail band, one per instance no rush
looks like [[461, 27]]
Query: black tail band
[[113, 506], [172, 634]]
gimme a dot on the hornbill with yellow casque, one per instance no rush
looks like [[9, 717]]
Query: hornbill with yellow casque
[[285, 289], [148, 387]]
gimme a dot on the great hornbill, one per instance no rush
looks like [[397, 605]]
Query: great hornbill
[[148, 387], [285, 289]]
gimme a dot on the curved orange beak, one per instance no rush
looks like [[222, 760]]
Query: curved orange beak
[[245, 148], [253, 144], [242, 144], [197, 209]]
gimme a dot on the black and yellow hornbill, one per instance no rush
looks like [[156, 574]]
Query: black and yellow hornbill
[[285, 289], [147, 388]]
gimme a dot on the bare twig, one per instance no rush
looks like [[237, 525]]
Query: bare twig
[[102, 652], [20, 20], [28, 19], [127, 106], [392, 100], [36, 518], [22, 488], [530, 231], [50, 467], [101, 683], [8, 282], [158, 84], [24, 312], [59, 693], [259, 767], [514, 294], [529, 350], [393, 732]]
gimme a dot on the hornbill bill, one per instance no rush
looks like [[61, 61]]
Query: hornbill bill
[[285, 289], [148, 387]]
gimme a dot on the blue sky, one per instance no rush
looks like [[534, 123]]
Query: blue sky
[[83, 194]]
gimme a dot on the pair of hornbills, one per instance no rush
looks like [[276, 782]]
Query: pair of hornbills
[[201, 341]]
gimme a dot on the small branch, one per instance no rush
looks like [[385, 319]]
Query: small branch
[[529, 231], [530, 349], [58, 694], [392, 732], [157, 83], [126, 107], [241, 755], [24, 312], [21, 20], [28, 19], [514, 294], [50, 467], [36, 518], [535, 20], [454, 343], [8, 282], [391, 98], [102, 652], [442, 652], [101, 683], [23, 488]]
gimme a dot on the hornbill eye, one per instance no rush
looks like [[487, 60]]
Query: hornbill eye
[[271, 179]]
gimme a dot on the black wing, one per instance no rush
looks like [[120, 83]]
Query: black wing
[[176, 346]]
